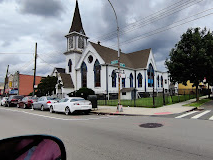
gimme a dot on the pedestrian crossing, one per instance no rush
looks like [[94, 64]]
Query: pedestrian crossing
[[205, 115]]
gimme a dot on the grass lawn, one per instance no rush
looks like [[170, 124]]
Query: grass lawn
[[199, 103], [147, 102]]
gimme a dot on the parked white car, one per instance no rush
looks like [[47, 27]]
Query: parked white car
[[3, 100], [70, 104]]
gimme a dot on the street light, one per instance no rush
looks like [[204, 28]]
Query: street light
[[119, 107]]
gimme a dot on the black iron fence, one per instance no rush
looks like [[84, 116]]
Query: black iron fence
[[151, 100]]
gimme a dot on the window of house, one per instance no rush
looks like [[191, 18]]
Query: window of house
[[80, 42], [158, 81], [162, 81], [84, 75], [123, 82], [139, 80], [123, 93], [90, 59], [97, 73], [113, 78], [131, 80], [70, 65], [70, 42], [150, 73]]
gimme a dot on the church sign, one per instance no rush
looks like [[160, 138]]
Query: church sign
[[116, 61]]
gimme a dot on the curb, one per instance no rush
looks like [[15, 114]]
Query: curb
[[126, 114], [120, 114]]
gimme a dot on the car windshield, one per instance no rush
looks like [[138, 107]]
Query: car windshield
[[17, 97], [34, 98], [77, 99], [50, 98], [63, 100]]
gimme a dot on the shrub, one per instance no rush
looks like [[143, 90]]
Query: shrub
[[82, 92]]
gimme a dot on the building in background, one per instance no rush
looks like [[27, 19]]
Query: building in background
[[1, 88], [21, 84], [190, 89]]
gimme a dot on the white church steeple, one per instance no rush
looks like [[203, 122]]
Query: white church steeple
[[76, 38]]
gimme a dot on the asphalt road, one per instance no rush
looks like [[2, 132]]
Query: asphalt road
[[102, 137]]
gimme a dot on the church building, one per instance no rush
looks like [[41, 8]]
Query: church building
[[94, 66]]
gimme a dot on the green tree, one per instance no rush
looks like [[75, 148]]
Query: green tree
[[47, 86], [208, 42], [188, 60]]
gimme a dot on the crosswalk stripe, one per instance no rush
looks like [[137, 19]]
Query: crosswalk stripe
[[184, 115], [211, 118], [201, 114]]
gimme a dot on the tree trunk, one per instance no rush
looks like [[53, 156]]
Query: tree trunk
[[197, 96]]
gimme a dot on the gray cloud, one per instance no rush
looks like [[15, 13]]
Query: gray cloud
[[47, 8], [20, 34]]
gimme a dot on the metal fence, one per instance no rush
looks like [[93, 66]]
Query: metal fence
[[151, 100]]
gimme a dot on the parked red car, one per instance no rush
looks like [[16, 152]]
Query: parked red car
[[26, 102], [13, 100]]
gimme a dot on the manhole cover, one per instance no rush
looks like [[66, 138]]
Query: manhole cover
[[151, 125]]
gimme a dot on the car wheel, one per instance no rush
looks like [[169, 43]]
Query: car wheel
[[67, 111], [51, 109], [25, 106], [42, 108]]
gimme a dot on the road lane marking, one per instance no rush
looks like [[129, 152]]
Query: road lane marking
[[201, 114], [64, 119], [211, 118], [184, 115]]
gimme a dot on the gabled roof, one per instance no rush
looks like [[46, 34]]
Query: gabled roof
[[133, 60], [67, 80], [76, 22], [60, 70]]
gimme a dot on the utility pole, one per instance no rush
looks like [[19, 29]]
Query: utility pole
[[34, 70], [5, 80], [119, 107]]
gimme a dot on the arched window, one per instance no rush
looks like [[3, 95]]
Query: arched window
[[150, 73], [70, 42], [162, 81], [123, 82], [113, 78], [80, 42], [158, 80], [84, 75], [97, 73], [70, 65], [131, 80], [139, 80]]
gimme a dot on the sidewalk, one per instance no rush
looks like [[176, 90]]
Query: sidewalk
[[165, 110]]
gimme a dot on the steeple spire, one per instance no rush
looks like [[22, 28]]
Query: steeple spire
[[76, 22]]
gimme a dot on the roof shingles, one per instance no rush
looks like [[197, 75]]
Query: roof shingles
[[133, 60], [67, 80]]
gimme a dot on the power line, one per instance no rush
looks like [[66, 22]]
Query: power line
[[45, 62], [163, 29], [141, 23]]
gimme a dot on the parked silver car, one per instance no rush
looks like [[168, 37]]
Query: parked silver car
[[43, 103]]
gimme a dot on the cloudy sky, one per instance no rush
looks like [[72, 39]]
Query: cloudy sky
[[156, 24]]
